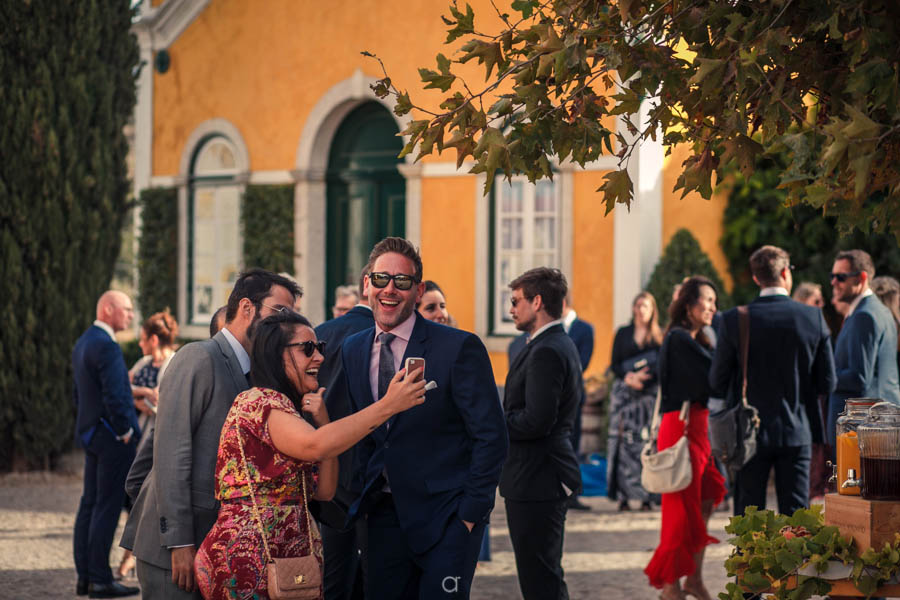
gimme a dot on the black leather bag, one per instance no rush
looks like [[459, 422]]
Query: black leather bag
[[647, 358], [733, 431]]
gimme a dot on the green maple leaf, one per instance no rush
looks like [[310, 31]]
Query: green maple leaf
[[617, 189]]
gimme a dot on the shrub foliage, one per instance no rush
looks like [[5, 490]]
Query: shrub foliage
[[158, 251], [267, 215], [681, 258]]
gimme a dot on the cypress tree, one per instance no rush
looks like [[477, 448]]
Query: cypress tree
[[68, 70], [682, 257], [158, 251]]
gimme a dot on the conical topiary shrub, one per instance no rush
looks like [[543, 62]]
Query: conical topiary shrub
[[682, 258]]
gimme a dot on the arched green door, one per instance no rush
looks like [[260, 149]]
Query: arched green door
[[366, 193]]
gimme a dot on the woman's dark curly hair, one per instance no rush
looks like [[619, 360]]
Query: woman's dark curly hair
[[271, 337]]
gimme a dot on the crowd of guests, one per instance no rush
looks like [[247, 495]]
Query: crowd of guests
[[275, 438], [799, 375]]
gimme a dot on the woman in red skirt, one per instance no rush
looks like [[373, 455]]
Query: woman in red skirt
[[684, 363]]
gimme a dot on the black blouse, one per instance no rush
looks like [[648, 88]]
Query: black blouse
[[684, 370], [624, 347]]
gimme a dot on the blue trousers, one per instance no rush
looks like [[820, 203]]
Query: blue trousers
[[444, 571], [106, 464]]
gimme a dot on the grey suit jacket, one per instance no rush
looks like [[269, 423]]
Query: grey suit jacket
[[176, 505]]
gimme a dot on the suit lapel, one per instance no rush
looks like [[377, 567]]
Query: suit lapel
[[234, 367]]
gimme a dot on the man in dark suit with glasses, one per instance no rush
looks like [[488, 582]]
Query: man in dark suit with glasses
[[541, 398], [865, 353]]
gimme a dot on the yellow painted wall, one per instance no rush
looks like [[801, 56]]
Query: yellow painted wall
[[702, 217], [592, 264], [265, 69], [448, 242]]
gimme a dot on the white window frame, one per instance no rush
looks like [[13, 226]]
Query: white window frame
[[214, 178], [501, 321]]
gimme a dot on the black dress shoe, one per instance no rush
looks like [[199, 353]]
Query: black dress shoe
[[576, 504], [113, 589], [81, 588], [623, 506]]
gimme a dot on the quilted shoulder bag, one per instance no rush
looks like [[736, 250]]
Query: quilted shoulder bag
[[297, 578]]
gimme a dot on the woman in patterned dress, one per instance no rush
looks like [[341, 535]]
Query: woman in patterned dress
[[287, 460], [631, 401]]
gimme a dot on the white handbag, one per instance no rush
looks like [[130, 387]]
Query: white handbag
[[668, 470]]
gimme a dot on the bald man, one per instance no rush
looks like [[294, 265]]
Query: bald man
[[107, 428]]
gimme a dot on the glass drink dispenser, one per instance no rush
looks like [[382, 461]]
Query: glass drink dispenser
[[879, 453], [847, 447]]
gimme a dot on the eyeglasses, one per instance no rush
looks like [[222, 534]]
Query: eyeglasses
[[842, 277], [401, 282], [277, 309], [309, 347], [515, 300]]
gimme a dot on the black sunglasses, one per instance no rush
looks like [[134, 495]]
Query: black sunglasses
[[842, 277], [309, 347], [401, 281]]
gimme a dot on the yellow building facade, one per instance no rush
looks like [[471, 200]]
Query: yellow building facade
[[271, 93]]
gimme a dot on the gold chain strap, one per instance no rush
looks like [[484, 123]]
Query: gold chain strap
[[256, 508]]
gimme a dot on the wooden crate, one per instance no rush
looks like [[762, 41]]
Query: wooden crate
[[869, 522]]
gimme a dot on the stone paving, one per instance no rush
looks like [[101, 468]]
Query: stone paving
[[605, 551]]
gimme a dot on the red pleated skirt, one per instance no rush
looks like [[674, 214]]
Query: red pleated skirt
[[683, 531]]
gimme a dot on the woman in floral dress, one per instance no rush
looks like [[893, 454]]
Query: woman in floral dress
[[288, 462]]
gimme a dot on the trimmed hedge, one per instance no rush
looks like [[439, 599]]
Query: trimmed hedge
[[68, 90], [682, 258], [158, 251], [267, 218]]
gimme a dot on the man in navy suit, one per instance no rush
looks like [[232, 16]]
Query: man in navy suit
[[107, 427], [789, 365], [429, 476], [343, 546], [865, 352]]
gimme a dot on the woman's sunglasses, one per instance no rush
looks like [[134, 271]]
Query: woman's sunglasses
[[401, 282], [309, 347]]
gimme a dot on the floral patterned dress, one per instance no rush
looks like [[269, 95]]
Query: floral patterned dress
[[231, 561]]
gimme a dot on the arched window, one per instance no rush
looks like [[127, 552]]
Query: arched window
[[215, 238]]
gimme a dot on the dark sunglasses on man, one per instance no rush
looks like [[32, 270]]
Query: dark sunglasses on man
[[401, 282], [309, 347], [842, 277]]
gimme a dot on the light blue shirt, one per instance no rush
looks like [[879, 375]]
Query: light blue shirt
[[239, 351]]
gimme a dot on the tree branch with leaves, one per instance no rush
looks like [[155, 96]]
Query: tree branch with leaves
[[814, 80]]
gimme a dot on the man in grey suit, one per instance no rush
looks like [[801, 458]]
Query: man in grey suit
[[865, 353], [176, 506]]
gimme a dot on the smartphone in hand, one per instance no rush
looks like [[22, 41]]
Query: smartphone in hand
[[415, 363]]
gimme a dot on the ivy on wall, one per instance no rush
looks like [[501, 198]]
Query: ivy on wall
[[267, 219], [158, 251]]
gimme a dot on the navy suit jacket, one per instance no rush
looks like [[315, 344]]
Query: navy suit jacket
[[443, 457], [789, 365], [865, 354], [102, 387], [337, 401], [582, 333]]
